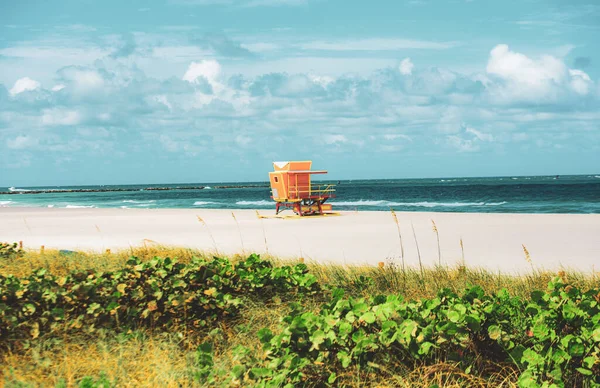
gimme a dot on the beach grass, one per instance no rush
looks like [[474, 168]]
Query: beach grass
[[148, 357], [413, 283]]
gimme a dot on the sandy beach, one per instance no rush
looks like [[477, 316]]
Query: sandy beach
[[491, 241]]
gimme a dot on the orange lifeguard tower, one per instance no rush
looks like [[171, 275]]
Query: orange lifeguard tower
[[291, 188]]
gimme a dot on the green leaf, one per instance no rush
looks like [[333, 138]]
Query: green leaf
[[265, 335], [425, 348], [576, 349], [541, 330], [29, 309], [494, 332], [590, 361], [584, 371], [259, 373], [368, 317], [205, 347], [344, 359], [317, 338], [453, 316], [532, 358], [238, 371], [332, 378]]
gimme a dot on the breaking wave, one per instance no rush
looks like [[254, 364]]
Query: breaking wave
[[202, 203], [254, 203], [13, 189]]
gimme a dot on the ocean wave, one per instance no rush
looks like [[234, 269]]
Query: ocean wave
[[80, 206], [202, 203], [5, 203], [383, 203], [207, 188], [13, 189], [255, 203], [597, 176], [139, 202]]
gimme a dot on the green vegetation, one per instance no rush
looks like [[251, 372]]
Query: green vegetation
[[137, 319]]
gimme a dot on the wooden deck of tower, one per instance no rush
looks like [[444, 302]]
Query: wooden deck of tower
[[291, 188]]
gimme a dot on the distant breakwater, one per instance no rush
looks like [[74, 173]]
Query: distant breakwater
[[115, 189]]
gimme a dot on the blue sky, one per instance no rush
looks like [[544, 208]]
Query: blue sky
[[116, 92]]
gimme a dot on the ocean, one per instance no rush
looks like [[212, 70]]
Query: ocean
[[527, 194]]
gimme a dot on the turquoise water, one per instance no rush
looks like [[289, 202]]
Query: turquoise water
[[532, 194]]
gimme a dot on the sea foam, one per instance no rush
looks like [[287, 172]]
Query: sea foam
[[13, 189], [255, 203], [202, 203]]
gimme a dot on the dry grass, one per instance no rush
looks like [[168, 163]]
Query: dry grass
[[138, 360]]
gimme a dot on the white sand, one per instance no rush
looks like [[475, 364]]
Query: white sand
[[491, 241]]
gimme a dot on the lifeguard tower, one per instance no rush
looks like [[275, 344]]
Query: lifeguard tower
[[291, 188]]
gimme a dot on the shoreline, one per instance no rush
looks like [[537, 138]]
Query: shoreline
[[492, 241]]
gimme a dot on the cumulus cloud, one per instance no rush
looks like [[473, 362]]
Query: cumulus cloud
[[208, 69], [59, 116], [406, 66], [24, 84], [334, 139], [127, 47], [462, 145], [21, 142], [81, 80], [223, 45], [543, 79], [115, 106]]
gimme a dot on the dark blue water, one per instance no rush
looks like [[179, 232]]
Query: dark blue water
[[535, 194]]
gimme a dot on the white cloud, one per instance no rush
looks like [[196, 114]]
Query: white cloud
[[406, 66], [394, 136], [87, 80], [334, 139], [462, 145], [209, 69], [542, 79], [581, 83], [519, 68], [82, 80], [21, 142], [243, 140], [479, 135], [59, 116], [24, 84], [58, 87]]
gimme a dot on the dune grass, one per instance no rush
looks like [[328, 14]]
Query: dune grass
[[149, 358]]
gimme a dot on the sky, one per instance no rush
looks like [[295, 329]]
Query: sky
[[178, 91]]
